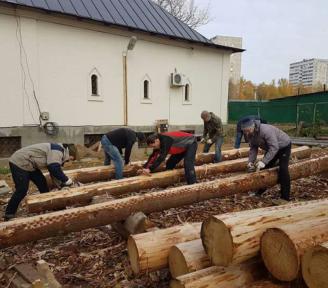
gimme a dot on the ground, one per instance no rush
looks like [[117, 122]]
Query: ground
[[94, 258]]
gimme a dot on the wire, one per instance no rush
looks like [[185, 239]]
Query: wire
[[22, 52]]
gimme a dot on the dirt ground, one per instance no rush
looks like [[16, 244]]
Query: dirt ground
[[94, 258]]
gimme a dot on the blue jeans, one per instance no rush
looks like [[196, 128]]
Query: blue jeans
[[112, 153], [218, 144], [239, 136]]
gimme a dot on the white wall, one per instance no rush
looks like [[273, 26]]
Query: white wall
[[60, 59]]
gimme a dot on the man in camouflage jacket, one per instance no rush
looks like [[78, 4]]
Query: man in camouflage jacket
[[213, 134]]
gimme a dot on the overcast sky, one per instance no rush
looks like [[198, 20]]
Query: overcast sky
[[275, 32]]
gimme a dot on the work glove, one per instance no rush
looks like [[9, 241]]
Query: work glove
[[260, 165], [202, 140], [209, 141], [68, 183], [251, 167]]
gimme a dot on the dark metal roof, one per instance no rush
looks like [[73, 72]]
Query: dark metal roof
[[142, 15]]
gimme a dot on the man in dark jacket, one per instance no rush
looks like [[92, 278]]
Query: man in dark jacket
[[239, 132], [179, 145], [114, 141], [213, 134], [277, 146], [26, 164]]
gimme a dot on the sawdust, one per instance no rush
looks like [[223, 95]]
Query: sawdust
[[98, 257]]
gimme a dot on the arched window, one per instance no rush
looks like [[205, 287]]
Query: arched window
[[187, 93], [146, 89], [94, 85]]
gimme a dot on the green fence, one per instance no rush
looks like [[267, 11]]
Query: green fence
[[310, 108]]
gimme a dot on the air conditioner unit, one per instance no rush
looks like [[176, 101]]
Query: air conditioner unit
[[177, 80]]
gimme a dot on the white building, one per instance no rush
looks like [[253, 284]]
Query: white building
[[309, 72], [70, 62], [235, 62]]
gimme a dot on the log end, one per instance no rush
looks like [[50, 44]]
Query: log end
[[177, 262], [315, 267], [217, 241], [279, 254], [133, 255]]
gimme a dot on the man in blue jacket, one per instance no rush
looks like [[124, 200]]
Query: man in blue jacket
[[26, 164]]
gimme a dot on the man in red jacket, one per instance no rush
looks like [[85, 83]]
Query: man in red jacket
[[179, 145]]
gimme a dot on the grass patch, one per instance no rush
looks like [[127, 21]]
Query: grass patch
[[4, 170]]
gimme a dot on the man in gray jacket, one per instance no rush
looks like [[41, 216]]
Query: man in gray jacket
[[26, 164], [277, 146]]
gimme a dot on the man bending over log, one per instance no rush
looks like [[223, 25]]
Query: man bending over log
[[26, 164], [114, 141], [239, 132], [277, 146], [179, 145]]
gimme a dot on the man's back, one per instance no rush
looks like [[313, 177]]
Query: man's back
[[122, 137]]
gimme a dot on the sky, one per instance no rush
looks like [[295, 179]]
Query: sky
[[275, 32]]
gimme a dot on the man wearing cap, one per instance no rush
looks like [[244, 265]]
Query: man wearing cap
[[180, 145], [239, 132], [213, 134], [26, 164], [277, 147], [114, 141]]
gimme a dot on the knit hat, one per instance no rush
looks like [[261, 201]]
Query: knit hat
[[247, 123]]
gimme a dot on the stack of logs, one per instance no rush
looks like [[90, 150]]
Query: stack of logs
[[238, 249], [231, 241]]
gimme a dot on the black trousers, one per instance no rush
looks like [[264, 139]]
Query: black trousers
[[282, 156], [22, 180], [189, 162]]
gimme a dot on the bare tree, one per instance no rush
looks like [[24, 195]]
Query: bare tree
[[187, 11]]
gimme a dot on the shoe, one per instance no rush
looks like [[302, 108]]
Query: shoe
[[280, 201], [8, 217]]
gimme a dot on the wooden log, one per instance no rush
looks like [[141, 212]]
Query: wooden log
[[146, 247], [76, 219], [187, 257], [235, 237], [105, 173], [268, 284], [283, 247], [82, 195], [315, 266], [165, 238], [236, 276], [46, 273], [14, 280]]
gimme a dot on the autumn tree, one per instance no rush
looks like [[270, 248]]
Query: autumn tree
[[247, 89], [284, 88], [186, 11]]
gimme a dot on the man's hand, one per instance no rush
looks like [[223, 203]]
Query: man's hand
[[68, 183], [251, 167], [202, 140], [146, 172], [209, 141], [260, 165]]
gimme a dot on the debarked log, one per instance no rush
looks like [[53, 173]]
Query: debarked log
[[235, 230], [235, 237], [283, 247], [315, 266], [236, 276], [76, 219], [105, 173], [83, 195], [187, 257]]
